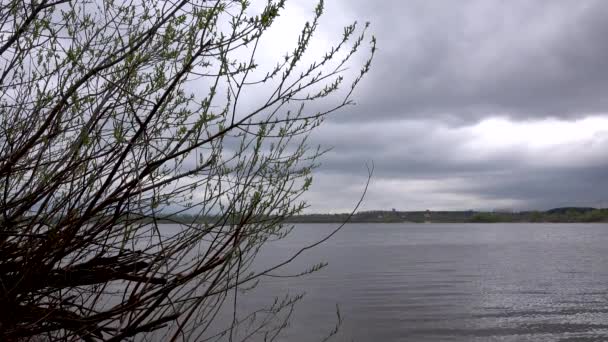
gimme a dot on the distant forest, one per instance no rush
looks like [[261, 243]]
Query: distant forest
[[565, 214]]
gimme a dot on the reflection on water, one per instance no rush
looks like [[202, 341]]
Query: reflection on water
[[456, 282]]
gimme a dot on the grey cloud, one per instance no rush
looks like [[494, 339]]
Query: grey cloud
[[451, 174], [409, 149], [518, 189], [462, 61], [444, 66], [544, 188]]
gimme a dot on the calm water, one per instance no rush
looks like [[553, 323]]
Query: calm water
[[447, 282]]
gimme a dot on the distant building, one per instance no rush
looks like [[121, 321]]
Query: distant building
[[427, 216]]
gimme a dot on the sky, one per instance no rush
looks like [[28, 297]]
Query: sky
[[470, 104]]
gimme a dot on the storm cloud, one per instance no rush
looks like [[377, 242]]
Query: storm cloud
[[473, 104], [462, 61]]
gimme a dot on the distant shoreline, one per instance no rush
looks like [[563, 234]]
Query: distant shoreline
[[445, 222], [557, 215]]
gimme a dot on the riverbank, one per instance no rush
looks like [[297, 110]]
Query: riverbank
[[564, 215], [557, 215]]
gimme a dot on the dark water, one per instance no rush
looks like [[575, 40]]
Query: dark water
[[448, 282]]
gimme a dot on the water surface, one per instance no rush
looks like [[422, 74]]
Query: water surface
[[447, 282]]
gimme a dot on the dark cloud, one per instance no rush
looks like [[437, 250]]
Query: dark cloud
[[515, 188], [545, 188], [461, 61], [442, 70], [425, 164]]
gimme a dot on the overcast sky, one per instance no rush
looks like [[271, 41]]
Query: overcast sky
[[469, 105]]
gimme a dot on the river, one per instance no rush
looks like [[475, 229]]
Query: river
[[446, 282]]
